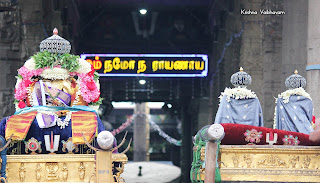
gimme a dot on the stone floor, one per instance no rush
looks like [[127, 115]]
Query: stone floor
[[151, 172]]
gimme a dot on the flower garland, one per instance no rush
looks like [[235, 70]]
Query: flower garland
[[124, 125], [163, 134], [60, 123], [154, 126], [237, 93], [58, 66], [65, 122], [275, 117], [297, 91]]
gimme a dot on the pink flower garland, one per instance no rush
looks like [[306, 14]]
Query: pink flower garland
[[21, 92], [91, 94], [88, 87], [26, 73]]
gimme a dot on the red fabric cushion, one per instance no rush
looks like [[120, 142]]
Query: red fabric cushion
[[235, 134]]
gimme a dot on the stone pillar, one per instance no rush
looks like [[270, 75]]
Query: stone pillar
[[141, 133], [23, 25], [313, 55], [9, 55], [186, 136], [33, 29], [251, 56], [261, 43], [294, 39], [203, 116], [271, 37]]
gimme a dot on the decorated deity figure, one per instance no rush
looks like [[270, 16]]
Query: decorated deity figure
[[239, 105], [57, 96], [294, 108]]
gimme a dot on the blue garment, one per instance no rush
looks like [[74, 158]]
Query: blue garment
[[240, 111], [38, 133], [3, 155], [296, 115]]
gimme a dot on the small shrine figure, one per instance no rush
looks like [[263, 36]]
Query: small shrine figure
[[294, 108], [22, 171], [82, 171], [239, 105]]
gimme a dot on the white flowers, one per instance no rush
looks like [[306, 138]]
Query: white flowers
[[84, 66], [65, 122], [94, 107], [237, 93], [30, 64], [297, 91], [60, 123], [55, 73]]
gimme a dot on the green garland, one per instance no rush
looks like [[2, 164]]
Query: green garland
[[197, 162], [47, 59]]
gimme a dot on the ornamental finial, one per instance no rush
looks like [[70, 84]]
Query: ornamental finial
[[55, 44], [241, 69], [55, 31], [296, 72]]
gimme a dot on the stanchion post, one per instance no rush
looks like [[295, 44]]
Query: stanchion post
[[214, 134], [104, 167], [211, 155]]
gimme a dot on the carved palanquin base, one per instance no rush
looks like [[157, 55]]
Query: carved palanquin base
[[276, 163], [56, 167]]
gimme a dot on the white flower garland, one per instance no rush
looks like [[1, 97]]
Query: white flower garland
[[78, 93], [297, 91], [162, 133], [84, 66], [237, 93], [60, 123], [275, 118], [30, 96], [16, 106], [19, 80], [30, 64], [94, 107], [65, 122], [55, 73]]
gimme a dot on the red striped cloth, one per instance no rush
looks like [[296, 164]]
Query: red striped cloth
[[83, 121], [19, 125]]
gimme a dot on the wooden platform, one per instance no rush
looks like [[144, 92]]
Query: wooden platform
[[268, 163]]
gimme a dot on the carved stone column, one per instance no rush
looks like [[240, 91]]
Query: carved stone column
[[9, 55], [313, 56], [141, 134]]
